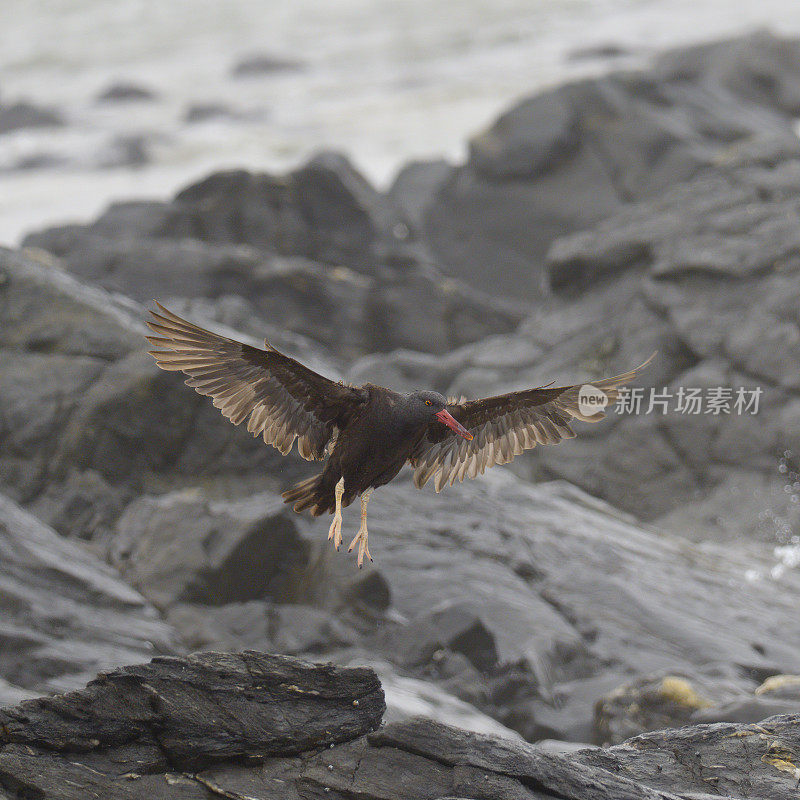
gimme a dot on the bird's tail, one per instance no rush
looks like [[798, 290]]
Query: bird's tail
[[312, 493]]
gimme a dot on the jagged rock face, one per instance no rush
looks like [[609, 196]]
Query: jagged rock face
[[83, 402], [319, 252], [563, 160], [65, 614], [529, 603], [252, 725]]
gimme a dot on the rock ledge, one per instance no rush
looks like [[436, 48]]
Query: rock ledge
[[252, 725]]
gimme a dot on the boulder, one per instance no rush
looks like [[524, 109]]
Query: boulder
[[25, 115], [181, 548], [319, 252], [563, 160], [530, 603], [124, 91], [257, 725], [81, 396], [65, 613]]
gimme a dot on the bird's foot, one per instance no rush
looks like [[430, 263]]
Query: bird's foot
[[335, 532], [363, 549]]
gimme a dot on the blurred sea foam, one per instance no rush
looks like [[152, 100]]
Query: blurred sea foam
[[381, 80]]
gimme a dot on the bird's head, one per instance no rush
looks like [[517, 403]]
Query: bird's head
[[425, 406]]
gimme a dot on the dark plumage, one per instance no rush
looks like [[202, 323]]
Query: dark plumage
[[368, 433]]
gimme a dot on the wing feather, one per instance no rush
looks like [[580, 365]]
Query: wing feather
[[281, 399], [504, 426]]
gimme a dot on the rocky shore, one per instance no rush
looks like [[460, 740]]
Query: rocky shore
[[250, 725], [640, 578]]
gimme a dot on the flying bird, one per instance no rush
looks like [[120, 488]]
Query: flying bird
[[367, 433]]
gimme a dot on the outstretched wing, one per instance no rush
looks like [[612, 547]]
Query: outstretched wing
[[503, 426], [283, 399]]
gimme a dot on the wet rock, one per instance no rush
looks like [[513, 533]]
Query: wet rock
[[25, 115], [82, 396], [565, 159], [528, 603], [84, 506], [168, 713], [283, 245], [124, 92], [181, 548], [261, 64], [65, 613], [188, 727]]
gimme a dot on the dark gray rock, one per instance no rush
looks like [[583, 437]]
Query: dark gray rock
[[254, 725], [181, 548], [81, 395], [565, 159], [707, 274], [261, 64], [528, 603], [25, 115], [325, 210], [759, 68], [65, 614], [317, 253], [125, 92]]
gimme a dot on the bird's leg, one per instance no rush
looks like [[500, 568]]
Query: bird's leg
[[361, 536], [335, 531]]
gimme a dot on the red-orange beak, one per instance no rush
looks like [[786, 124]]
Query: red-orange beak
[[451, 422]]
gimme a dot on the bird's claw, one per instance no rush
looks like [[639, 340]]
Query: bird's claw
[[335, 532], [363, 549]]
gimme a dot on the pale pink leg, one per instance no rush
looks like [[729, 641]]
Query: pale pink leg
[[361, 536], [335, 532]]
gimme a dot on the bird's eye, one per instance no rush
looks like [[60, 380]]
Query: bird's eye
[[427, 402]]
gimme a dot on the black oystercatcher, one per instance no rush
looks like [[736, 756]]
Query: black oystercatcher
[[367, 432]]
